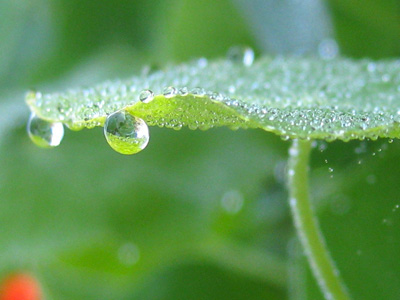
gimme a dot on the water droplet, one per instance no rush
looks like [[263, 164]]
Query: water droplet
[[146, 96], [197, 91], [322, 147], [386, 78], [202, 62], [183, 91], [362, 148], [371, 179], [340, 204], [128, 254], [328, 49], [232, 202], [240, 54], [169, 92], [126, 133], [149, 69], [293, 151], [45, 134], [285, 137], [371, 67]]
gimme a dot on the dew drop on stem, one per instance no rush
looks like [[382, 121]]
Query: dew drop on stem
[[126, 133], [43, 133]]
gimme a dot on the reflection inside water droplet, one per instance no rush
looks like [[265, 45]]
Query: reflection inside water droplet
[[126, 133], [45, 134], [241, 54]]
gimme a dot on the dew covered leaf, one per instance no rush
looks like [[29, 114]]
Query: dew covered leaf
[[296, 97]]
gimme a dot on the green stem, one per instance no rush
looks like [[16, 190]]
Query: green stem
[[306, 224]]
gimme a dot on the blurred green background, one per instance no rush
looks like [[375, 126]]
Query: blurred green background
[[197, 215]]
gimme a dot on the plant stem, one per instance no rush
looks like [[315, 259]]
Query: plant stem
[[306, 224]]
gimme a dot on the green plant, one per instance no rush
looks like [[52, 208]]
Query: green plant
[[197, 215], [297, 98]]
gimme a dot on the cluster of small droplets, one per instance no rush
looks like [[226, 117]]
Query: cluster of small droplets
[[330, 98], [189, 107]]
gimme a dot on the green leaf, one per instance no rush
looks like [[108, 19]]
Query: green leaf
[[293, 97]]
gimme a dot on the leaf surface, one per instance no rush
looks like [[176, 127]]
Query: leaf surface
[[295, 97]]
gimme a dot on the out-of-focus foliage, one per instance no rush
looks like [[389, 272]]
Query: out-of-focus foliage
[[197, 215], [368, 30]]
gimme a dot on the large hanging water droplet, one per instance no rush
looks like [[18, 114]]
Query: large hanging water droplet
[[45, 134], [241, 54], [126, 133]]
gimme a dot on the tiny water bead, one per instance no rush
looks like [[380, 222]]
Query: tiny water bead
[[183, 91], [328, 49], [126, 133], [146, 96], [169, 92], [241, 54], [43, 133], [232, 202], [128, 254]]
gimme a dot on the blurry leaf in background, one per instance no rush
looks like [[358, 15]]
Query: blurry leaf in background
[[85, 27], [288, 26], [201, 29], [27, 40], [367, 29]]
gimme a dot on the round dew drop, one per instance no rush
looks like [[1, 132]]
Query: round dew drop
[[45, 134], [241, 54], [146, 96], [169, 92], [183, 91], [126, 133]]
